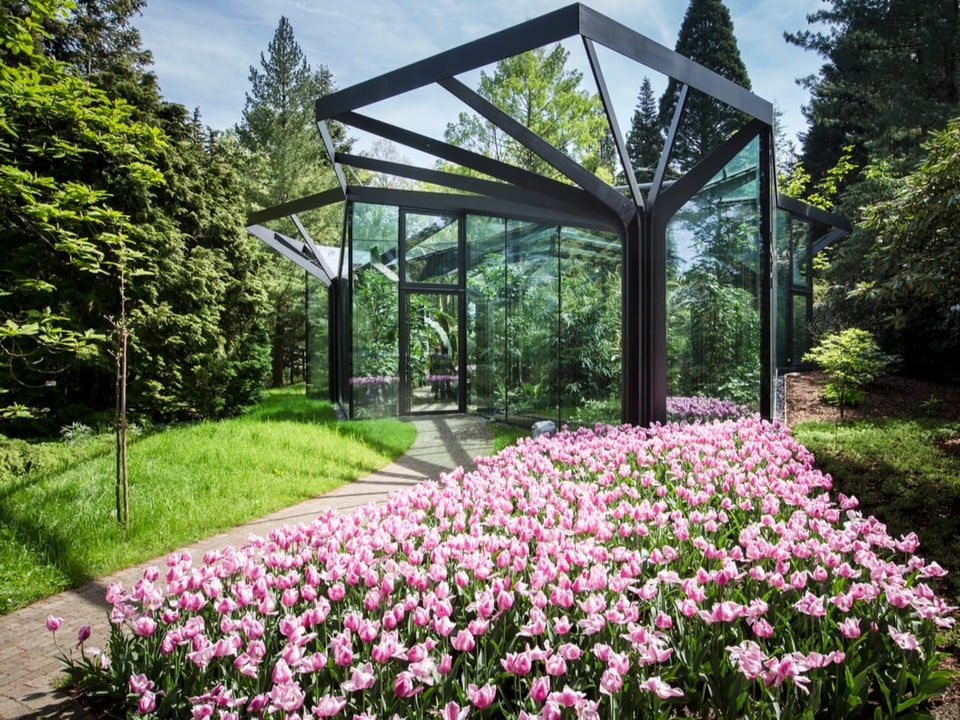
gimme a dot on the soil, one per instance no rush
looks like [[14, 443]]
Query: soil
[[888, 397]]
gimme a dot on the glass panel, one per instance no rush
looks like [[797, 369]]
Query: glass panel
[[802, 306], [486, 314], [318, 340], [375, 355], [531, 291], [781, 287], [589, 326], [431, 249], [433, 379], [713, 287], [800, 241]]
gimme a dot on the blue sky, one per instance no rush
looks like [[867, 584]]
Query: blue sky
[[203, 49]]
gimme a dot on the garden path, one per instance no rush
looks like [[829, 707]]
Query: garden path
[[28, 656]]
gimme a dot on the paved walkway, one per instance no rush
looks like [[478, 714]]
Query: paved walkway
[[28, 656]]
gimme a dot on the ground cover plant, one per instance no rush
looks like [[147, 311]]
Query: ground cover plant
[[57, 528], [904, 470], [685, 570]]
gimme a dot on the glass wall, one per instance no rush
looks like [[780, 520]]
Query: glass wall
[[318, 340], [543, 314], [374, 380], [589, 327], [794, 242], [486, 297], [713, 287]]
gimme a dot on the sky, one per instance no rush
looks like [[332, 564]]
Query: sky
[[203, 49]]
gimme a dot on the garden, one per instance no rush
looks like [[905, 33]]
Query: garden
[[696, 569]]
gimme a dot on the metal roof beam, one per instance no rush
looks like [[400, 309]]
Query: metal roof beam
[[547, 152], [488, 166], [529, 35], [467, 183], [655, 56], [310, 202], [614, 126]]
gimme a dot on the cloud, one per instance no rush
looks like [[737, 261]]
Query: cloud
[[203, 50]]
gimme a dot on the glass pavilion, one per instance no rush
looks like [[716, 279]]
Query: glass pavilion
[[474, 285]]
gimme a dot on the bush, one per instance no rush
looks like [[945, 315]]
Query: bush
[[851, 359], [848, 397], [18, 457], [684, 569]]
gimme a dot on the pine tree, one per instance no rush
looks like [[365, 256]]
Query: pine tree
[[706, 36], [891, 75], [539, 91], [196, 266], [284, 148], [645, 140], [278, 120]]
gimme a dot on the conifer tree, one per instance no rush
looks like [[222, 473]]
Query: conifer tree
[[195, 267], [284, 149], [706, 36], [645, 140], [539, 91], [891, 75]]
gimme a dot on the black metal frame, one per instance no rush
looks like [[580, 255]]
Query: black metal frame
[[639, 222]]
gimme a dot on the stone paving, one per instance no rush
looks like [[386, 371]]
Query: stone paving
[[29, 667]]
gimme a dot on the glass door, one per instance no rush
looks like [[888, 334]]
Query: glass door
[[432, 356]]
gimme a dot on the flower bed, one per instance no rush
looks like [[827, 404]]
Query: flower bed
[[374, 380], [699, 408], [686, 570]]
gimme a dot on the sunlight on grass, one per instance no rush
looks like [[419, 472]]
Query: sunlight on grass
[[186, 483], [901, 473]]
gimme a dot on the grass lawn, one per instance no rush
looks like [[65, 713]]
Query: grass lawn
[[906, 472], [506, 435], [58, 527]]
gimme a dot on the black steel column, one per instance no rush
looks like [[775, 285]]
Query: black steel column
[[632, 323], [656, 356], [767, 297]]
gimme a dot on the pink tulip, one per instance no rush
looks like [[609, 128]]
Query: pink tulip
[[850, 628], [610, 682], [481, 697], [660, 688], [405, 685], [540, 689], [147, 702], [463, 641], [53, 623], [329, 706], [139, 684], [144, 626], [281, 673]]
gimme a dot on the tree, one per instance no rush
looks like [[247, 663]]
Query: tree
[[645, 139], [283, 147], [706, 36], [98, 38], [194, 265], [65, 146], [914, 261], [892, 74], [537, 90], [851, 359]]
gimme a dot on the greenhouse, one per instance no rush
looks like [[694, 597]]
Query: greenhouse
[[549, 290]]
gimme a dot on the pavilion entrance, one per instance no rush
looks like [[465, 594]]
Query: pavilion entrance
[[432, 344]]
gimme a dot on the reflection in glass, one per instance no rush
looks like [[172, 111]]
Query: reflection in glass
[[374, 382], [713, 287], [432, 346], [318, 340], [431, 248]]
